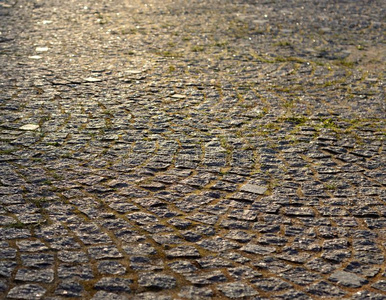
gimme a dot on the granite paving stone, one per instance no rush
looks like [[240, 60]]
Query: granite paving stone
[[197, 149], [205, 278], [39, 275], [113, 284], [6, 268], [236, 290], [182, 251], [27, 291], [69, 289], [111, 267], [193, 292], [347, 279], [102, 295], [157, 280], [380, 285]]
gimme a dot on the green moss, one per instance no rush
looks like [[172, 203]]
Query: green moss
[[331, 187], [288, 59], [283, 44], [198, 48], [329, 123], [299, 120], [18, 225], [169, 54], [345, 63], [172, 68], [66, 155], [56, 144], [5, 152], [221, 44]]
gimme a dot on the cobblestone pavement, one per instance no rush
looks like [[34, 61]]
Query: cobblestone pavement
[[192, 149]]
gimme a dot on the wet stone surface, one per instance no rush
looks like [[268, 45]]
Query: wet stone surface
[[192, 149]]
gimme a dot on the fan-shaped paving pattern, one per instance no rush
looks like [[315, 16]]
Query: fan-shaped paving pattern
[[192, 150]]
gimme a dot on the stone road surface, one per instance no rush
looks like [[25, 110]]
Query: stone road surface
[[192, 149]]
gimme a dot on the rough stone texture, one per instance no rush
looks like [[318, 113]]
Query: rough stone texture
[[253, 188], [27, 291], [102, 295], [192, 149], [43, 275], [347, 279], [157, 280], [236, 290], [193, 292], [182, 251], [69, 288], [112, 284]]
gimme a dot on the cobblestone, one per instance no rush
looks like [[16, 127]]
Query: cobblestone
[[192, 149]]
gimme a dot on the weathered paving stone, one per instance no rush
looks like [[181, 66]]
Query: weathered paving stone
[[244, 214], [239, 236], [182, 251], [217, 244], [102, 295], [367, 295], [37, 260], [27, 291], [273, 265], [91, 235], [244, 196], [270, 239], [182, 266], [205, 278], [243, 272], [293, 295], [142, 218], [5, 220], [180, 224], [204, 218], [380, 285], [193, 292], [257, 249], [235, 224], [199, 180], [31, 246], [39, 275], [157, 280], [362, 269], [336, 256], [301, 276], [6, 268], [324, 289], [270, 284], [145, 264], [139, 249], [81, 271], [228, 149], [299, 211], [168, 239], [253, 188], [347, 279], [364, 257], [152, 296], [111, 267], [112, 284], [69, 289], [102, 252], [72, 257], [3, 285], [235, 290]]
